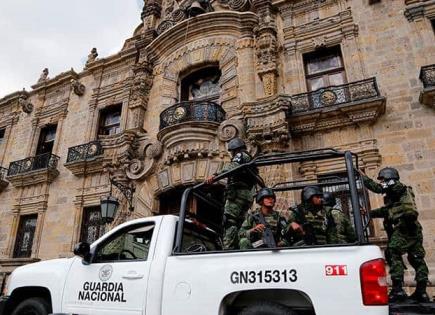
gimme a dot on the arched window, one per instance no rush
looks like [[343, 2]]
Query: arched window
[[201, 85]]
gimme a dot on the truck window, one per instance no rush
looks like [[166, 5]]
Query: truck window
[[129, 244], [199, 238]]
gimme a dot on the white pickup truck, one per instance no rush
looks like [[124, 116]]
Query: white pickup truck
[[172, 265]]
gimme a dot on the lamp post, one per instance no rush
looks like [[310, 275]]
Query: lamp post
[[109, 205]]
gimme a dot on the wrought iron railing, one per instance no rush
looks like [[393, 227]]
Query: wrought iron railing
[[191, 111], [335, 95], [427, 75], [38, 162], [84, 152], [3, 173]]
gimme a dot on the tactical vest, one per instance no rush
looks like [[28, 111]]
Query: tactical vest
[[313, 223], [402, 204], [272, 221], [244, 178]]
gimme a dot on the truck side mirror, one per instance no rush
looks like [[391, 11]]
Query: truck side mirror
[[83, 250]]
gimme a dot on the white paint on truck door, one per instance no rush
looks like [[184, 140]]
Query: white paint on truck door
[[116, 280]]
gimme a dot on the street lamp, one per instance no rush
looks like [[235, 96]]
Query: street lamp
[[109, 205]]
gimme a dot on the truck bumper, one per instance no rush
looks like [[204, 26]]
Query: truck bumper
[[3, 304]]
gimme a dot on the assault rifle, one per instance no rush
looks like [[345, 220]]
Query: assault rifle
[[268, 240]]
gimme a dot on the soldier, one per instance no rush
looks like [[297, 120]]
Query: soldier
[[264, 227], [239, 192], [308, 223], [406, 232], [340, 230]]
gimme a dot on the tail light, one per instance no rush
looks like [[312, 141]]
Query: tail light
[[374, 282]]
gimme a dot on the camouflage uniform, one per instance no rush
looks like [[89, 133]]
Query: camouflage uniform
[[406, 232], [339, 230], [276, 223], [313, 222], [239, 197]]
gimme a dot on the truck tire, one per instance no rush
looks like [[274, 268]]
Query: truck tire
[[32, 306], [266, 308]]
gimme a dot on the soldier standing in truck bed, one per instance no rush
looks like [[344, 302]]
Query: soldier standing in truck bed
[[239, 192], [406, 235]]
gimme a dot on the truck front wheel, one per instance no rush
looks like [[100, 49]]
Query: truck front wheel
[[32, 306], [266, 308]]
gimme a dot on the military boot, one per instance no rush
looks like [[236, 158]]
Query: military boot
[[397, 294], [420, 294]]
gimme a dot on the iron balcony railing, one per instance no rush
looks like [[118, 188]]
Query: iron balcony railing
[[38, 162], [3, 173], [191, 111], [335, 95], [84, 152], [427, 75]]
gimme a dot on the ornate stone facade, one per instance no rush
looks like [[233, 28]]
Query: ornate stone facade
[[166, 141]]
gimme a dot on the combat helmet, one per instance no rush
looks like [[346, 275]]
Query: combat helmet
[[329, 199], [264, 192], [388, 173], [309, 191], [236, 143]]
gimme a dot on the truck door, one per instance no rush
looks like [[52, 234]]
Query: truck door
[[116, 280]]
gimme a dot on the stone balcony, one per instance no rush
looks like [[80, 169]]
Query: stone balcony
[[85, 158], [336, 106], [3, 182], [189, 130], [427, 76], [33, 170]]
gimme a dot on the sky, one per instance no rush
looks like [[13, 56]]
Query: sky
[[58, 35]]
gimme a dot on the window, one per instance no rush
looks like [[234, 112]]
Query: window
[[110, 120], [132, 243], [201, 85], [46, 139], [433, 25], [324, 68], [92, 227], [25, 235], [2, 134]]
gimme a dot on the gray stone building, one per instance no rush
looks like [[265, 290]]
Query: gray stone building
[[285, 75]]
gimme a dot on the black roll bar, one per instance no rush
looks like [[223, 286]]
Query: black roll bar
[[282, 158], [354, 198]]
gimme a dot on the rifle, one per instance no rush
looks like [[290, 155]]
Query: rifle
[[268, 240]]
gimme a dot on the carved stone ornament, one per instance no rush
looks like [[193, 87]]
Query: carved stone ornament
[[139, 169], [230, 129], [92, 56], [236, 5], [25, 105], [44, 75], [78, 88]]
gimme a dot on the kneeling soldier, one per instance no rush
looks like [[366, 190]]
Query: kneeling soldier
[[406, 237], [264, 227]]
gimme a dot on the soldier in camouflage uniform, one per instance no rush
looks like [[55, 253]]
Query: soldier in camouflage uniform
[[406, 235], [340, 230], [264, 227], [239, 192], [308, 224]]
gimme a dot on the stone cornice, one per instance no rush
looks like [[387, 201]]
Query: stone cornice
[[33, 177], [223, 23], [60, 79], [418, 9], [330, 31], [337, 116]]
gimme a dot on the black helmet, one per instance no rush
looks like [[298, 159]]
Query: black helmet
[[388, 173], [309, 191], [236, 143], [329, 199], [264, 192]]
